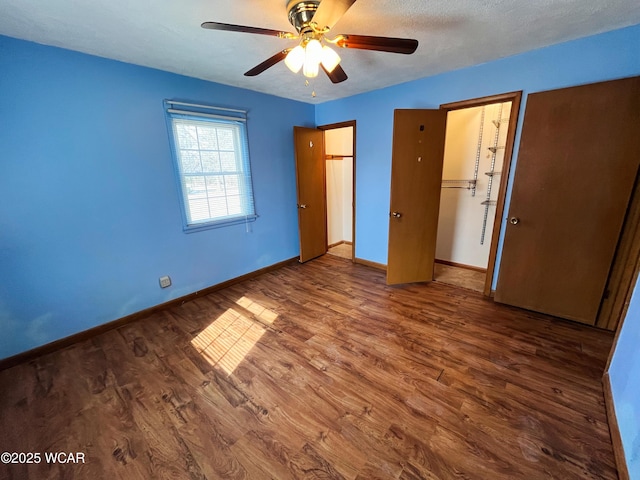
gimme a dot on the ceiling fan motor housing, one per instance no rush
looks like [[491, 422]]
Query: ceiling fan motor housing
[[301, 13]]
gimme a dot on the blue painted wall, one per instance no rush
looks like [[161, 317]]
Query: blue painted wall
[[600, 57], [89, 208], [624, 373]]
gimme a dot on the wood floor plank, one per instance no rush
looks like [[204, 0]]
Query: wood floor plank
[[263, 457], [320, 370]]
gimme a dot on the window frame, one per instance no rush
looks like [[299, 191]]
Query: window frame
[[217, 116]]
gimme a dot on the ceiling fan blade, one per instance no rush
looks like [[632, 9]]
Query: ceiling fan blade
[[268, 63], [245, 29], [380, 44], [330, 11], [337, 75]]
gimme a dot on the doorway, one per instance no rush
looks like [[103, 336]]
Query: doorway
[[478, 148], [339, 147]]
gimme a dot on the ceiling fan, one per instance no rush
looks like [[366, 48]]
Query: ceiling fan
[[313, 19]]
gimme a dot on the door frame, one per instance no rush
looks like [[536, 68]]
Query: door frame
[[624, 268], [515, 98], [333, 126]]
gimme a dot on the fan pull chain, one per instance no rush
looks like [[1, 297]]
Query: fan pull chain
[[313, 90]]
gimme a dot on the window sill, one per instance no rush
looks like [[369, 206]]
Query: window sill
[[198, 227]]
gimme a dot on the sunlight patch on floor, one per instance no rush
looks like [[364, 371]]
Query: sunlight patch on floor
[[230, 337], [258, 310]]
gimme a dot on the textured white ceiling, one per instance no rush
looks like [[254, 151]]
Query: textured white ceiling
[[166, 34]]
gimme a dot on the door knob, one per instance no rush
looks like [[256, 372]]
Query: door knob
[[395, 214], [302, 206], [514, 220]]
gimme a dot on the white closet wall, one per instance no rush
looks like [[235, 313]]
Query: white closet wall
[[339, 143], [462, 214]]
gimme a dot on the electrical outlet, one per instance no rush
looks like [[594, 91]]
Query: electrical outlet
[[165, 281]]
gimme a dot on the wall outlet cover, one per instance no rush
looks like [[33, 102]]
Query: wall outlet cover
[[165, 281]]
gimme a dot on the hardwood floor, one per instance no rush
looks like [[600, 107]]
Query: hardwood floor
[[343, 250], [319, 371], [460, 277]]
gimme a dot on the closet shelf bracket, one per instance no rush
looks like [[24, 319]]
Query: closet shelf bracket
[[499, 121], [488, 201]]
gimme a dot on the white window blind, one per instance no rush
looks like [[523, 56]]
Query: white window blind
[[212, 164]]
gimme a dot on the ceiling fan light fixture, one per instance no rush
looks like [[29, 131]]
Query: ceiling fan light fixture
[[312, 58], [310, 70], [295, 59], [330, 59]]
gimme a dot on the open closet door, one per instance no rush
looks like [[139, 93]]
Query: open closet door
[[578, 159], [416, 179], [310, 182]]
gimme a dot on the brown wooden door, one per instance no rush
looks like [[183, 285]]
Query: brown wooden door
[[310, 181], [576, 168], [416, 179]]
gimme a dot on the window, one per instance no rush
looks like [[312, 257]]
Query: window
[[211, 157]]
